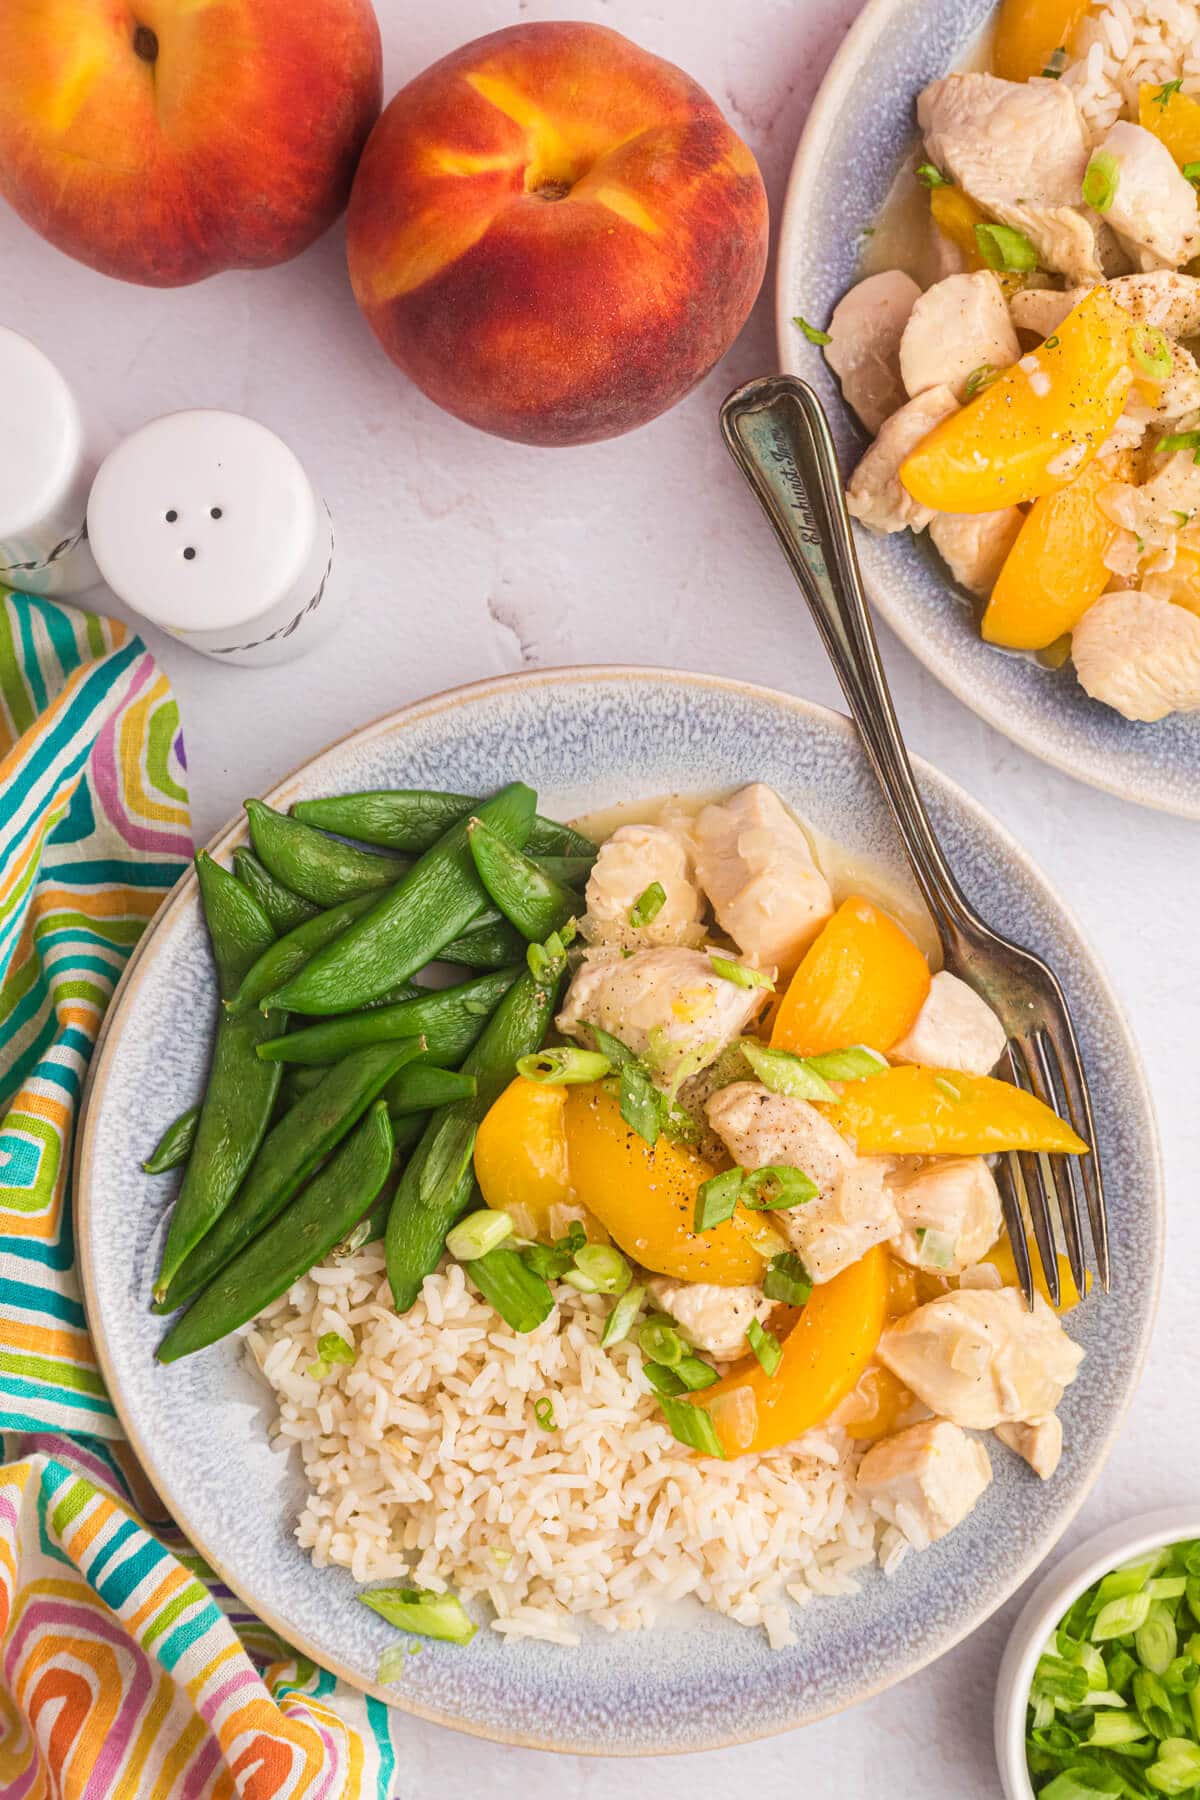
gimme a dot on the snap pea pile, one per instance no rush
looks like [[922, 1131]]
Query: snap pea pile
[[1114, 1708], [343, 1095]]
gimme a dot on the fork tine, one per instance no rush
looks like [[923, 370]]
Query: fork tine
[[1007, 1179], [1041, 1075], [1079, 1106], [1032, 1184]]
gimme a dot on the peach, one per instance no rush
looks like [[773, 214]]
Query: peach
[[555, 234], [164, 140]]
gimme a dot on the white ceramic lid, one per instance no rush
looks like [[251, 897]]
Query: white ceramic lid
[[202, 520], [40, 435]]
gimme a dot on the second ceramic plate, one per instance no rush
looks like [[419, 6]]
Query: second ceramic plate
[[860, 130], [586, 738]]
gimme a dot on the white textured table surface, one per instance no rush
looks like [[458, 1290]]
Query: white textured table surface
[[470, 557]]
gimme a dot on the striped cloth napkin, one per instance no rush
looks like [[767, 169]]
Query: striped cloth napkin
[[128, 1670]]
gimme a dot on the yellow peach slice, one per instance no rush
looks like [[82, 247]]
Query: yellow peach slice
[[1055, 569], [942, 1112], [521, 1153], [1028, 32], [862, 981]]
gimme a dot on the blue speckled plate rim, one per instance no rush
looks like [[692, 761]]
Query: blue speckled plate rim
[[185, 892], [1140, 777]]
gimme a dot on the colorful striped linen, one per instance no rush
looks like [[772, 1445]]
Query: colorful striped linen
[[129, 1672]]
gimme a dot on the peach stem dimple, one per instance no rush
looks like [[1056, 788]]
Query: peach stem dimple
[[145, 43]]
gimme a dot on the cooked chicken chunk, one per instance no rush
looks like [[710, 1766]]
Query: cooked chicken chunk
[[864, 344], [954, 1029], [754, 863], [957, 327], [1161, 507], [667, 1005], [1139, 655], [714, 1319], [976, 545], [1153, 209], [925, 1480], [875, 494], [1161, 297], [980, 1359], [630, 861], [1018, 150], [957, 1203], [1038, 1441], [852, 1210]]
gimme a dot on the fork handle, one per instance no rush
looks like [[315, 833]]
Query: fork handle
[[778, 435]]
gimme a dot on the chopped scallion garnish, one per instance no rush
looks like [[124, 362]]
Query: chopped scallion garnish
[[648, 905], [551, 1261], [740, 973], [424, 1614], [565, 1063], [1151, 351], [694, 1373], [1101, 179], [775, 1188], [716, 1199], [621, 1319], [1179, 440], [854, 1064], [787, 1279], [1191, 172], [1166, 90], [520, 1296], [978, 379], [691, 1425], [812, 332], [785, 1073], [765, 1345], [1003, 248], [661, 1342], [937, 1249], [603, 1268], [930, 176], [543, 1412], [478, 1233], [947, 1087], [1055, 64], [332, 1352]]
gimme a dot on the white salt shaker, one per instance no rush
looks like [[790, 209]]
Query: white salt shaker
[[46, 469], [206, 524]]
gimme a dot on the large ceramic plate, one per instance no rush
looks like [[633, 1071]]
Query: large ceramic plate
[[585, 737], [860, 130]]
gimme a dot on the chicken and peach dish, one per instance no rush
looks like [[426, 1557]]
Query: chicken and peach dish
[[725, 1308], [1034, 400]]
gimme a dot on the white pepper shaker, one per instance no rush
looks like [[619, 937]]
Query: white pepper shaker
[[206, 523], [45, 472]]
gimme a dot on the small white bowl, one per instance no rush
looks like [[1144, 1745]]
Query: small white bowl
[[1046, 1605]]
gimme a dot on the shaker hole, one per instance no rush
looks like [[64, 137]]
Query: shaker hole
[[214, 512], [172, 516], [189, 553]]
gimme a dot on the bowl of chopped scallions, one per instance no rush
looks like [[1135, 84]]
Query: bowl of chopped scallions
[[1099, 1689]]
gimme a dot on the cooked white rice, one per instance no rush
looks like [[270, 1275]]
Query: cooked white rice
[[1123, 43], [425, 1463]]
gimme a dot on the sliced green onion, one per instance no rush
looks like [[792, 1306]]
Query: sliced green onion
[[661, 1342], [424, 1614], [662, 1379], [1151, 351], [1121, 1616], [937, 1248], [854, 1064], [1110, 1729], [1191, 171], [648, 905], [1177, 1770], [691, 1425], [621, 1319], [1153, 1703], [1179, 440], [640, 1104], [947, 1087], [604, 1267], [694, 1373], [332, 1351], [785, 1073], [1166, 90], [716, 1199], [1130, 1579], [618, 1054], [787, 1279], [1167, 1587], [547, 961], [478, 1233], [765, 1345], [1155, 1641], [1185, 518], [978, 379], [1051, 343], [520, 1296], [1055, 65], [776, 1187], [1101, 179], [551, 1261], [930, 176], [566, 1064], [739, 973], [543, 1412], [1003, 248], [812, 332]]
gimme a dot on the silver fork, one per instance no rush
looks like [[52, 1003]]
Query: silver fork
[[779, 437]]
